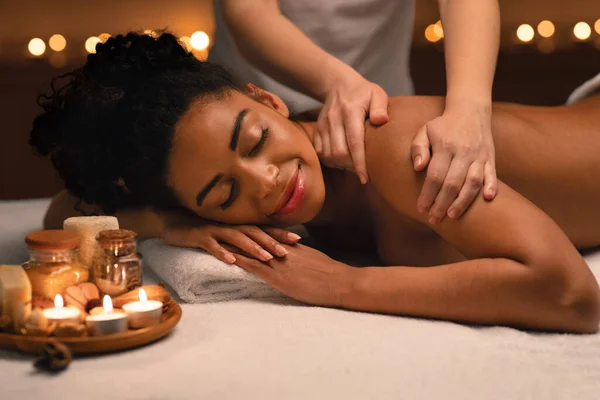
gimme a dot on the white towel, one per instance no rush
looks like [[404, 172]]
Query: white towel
[[198, 277], [586, 89]]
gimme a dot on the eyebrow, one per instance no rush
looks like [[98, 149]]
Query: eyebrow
[[235, 135], [237, 127]]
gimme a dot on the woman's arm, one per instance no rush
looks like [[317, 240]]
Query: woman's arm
[[531, 280], [523, 269]]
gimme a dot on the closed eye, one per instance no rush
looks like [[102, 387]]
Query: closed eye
[[232, 195], [261, 142], [234, 185]]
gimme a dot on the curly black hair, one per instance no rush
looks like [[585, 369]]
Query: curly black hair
[[109, 129]]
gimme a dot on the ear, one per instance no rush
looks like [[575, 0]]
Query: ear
[[267, 98]]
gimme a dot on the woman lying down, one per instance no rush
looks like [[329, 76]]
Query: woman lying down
[[146, 129]]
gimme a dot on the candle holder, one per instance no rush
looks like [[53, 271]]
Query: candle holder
[[107, 322], [143, 313], [60, 313]]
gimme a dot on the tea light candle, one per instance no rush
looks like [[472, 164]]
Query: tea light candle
[[108, 322], [143, 313], [60, 313]]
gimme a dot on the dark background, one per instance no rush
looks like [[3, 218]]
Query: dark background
[[542, 72]]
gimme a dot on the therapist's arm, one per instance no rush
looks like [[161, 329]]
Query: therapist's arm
[[273, 44], [462, 160]]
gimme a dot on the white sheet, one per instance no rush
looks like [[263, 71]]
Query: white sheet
[[270, 350]]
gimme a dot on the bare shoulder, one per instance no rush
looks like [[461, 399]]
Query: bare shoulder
[[407, 115], [387, 147], [65, 205]]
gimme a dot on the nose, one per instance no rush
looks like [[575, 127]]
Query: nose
[[262, 179]]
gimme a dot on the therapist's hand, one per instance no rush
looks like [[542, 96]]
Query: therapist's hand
[[339, 137], [461, 162]]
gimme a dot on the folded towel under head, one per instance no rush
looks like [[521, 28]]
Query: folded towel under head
[[198, 277]]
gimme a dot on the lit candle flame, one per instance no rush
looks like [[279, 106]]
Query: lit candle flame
[[58, 301], [143, 296], [107, 302]]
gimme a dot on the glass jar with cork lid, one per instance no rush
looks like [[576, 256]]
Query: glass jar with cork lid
[[119, 268], [53, 264]]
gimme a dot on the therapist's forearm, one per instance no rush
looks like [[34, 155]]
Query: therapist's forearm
[[471, 34], [273, 44], [484, 291]]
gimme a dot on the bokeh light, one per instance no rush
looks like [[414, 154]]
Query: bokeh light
[[546, 28], [199, 40], [36, 46], [582, 31], [438, 30], [90, 44], [57, 42], [525, 33], [597, 26], [430, 34]]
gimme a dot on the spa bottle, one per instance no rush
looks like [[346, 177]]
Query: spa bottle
[[118, 270], [53, 263]]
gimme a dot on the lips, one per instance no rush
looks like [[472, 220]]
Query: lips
[[293, 195]]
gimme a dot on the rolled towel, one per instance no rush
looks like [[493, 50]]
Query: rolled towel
[[198, 277], [88, 228], [586, 89]]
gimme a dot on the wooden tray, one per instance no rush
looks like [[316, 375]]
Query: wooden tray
[[99, 344]]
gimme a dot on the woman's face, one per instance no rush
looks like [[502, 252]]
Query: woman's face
[[241, 161]]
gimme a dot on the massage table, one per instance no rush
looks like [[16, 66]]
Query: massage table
[[280, 349]]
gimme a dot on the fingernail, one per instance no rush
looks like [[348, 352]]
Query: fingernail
[[421, 209], [363, 178], [280, 250], [433, 220], [265, 256], [294, 237], [452, 213], [418, 161], [229, 258]]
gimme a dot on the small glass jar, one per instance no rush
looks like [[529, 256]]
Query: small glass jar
[[118, 269], [53, 264]]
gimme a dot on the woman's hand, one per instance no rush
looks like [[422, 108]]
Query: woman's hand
[[305, 274], [339, 137], [261, 243], [463, 161]]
